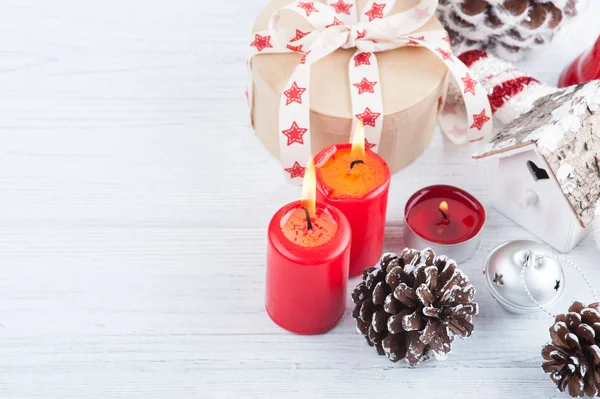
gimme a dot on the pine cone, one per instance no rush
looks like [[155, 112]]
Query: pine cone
[[504, 27], [573, 357], [413, 304]]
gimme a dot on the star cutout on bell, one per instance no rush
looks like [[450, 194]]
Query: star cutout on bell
[[469, 83], [294, 94], [294, 134], [368, 117], [362, 59], [365, 86], [498, 280], [375, 12], [479, 120], [308, 7], [341, 7], [296, 170], [261, 42]]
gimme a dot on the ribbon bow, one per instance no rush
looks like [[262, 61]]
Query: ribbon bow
[[465, 117]]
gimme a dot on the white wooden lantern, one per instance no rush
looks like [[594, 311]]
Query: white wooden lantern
[[547, 172]]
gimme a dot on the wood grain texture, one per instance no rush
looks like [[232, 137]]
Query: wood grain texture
[[134, 201]]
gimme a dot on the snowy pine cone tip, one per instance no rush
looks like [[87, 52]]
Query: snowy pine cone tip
[[573, 357], [413, 305]]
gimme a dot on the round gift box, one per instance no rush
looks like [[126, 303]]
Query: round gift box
[[413, 83]]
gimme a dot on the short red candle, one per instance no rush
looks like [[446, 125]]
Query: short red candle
[[307, 269], [361, 194], [446, 218]]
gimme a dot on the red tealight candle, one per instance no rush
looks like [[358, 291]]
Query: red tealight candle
[[446, 219], [308, 257], [356, 181]]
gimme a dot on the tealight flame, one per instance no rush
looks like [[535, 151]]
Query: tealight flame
[[309, 188], [444, 206], [358, 142]]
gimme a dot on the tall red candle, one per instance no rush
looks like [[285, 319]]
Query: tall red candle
[[357, 184], [308, 256]]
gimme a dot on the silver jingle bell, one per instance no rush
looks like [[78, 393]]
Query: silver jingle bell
[[544, 276]]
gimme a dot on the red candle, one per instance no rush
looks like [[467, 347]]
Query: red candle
[[586, 67], [308, 257], [446, 219], [356, 181]]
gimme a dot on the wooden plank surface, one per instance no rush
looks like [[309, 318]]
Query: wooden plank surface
[[134, 200]]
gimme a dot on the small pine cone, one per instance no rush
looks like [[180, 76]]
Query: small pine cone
[[573, 357], [504, 27], [413, 305]]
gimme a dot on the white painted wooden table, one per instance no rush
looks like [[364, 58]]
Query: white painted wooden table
[[134, 201]]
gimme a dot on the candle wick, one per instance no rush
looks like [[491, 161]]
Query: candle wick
[[308, 222], [356, 162], [443, 214]]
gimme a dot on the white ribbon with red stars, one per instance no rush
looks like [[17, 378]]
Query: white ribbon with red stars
[[466, 116]]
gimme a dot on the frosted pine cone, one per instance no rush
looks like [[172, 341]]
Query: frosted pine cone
[[413, 305], [504, 27], [573, 357]]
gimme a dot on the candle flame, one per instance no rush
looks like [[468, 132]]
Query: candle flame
[[358, 142], [309, 188], [444, 206]]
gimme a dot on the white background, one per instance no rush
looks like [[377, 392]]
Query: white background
[[134, 201]]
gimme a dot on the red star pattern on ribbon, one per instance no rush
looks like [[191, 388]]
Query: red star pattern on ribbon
[[360, 35], [421, 13], [335, 22], [303, 59], [341, 7], [362, 59], [297, 49], [445, 54], [458, 131], [294, 94], [368, 117], [413, 40], [296, 170], [365, 86], [447, 39], [375, 12], [299, 35], [469, 84], [479, 120], [450, 108], [294, 134], [261, 42], [308, 7], [368, 145]]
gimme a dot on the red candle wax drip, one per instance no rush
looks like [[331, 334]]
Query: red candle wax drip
[[444, 215]]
